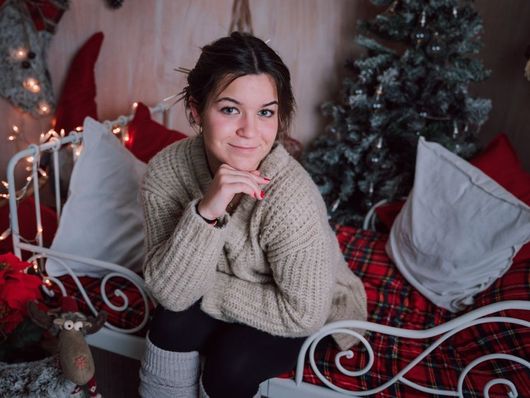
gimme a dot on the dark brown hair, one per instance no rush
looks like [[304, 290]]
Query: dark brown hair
[[228, 58]]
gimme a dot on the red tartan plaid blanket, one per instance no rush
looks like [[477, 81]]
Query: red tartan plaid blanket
[[393, 301]]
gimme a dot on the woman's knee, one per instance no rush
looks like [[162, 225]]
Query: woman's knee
[[235, 376], [183, 331]]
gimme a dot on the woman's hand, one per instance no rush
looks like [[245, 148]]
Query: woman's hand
[[226, 183]]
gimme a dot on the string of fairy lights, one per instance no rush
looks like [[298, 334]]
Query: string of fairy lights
[[16, 136], [118, 127]]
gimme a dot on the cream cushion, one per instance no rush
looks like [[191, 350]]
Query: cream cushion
[[458, 230], [103, 217]]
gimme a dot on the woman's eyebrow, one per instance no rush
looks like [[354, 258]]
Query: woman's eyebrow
[[239, 103]]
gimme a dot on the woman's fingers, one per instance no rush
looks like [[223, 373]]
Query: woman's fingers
[[255, 175], [245, 178], [226, 184]]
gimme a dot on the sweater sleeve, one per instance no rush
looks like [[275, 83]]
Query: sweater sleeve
[[182, 250], [297, 302]]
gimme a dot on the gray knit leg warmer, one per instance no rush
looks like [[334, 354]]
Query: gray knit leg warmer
[[202, 391], [168, 374]]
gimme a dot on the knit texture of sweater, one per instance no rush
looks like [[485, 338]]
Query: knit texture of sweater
[[274, 264]]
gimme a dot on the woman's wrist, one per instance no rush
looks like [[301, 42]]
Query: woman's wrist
[[209, 221]]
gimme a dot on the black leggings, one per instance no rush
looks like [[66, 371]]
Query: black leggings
[[238, 357]]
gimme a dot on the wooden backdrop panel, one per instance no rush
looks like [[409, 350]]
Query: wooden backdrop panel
[[145, 41]]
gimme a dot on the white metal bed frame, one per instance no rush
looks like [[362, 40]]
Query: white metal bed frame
[[123, 342]]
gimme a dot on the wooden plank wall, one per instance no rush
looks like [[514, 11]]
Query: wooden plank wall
[[145, 40]]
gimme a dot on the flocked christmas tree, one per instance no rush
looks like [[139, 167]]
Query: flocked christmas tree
[[412, 82]]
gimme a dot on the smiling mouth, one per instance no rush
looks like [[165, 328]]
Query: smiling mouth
[[243, 148]]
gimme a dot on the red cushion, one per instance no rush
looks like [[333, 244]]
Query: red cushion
[[388, 212], [147, 137], [78, 97], [27, 224], [500, 162]]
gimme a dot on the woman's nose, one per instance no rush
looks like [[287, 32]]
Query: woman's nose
[[247, 126]]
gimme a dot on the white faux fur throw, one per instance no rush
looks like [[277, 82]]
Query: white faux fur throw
[[39, 379]]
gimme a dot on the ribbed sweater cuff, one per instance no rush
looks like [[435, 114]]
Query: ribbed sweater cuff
[[170, 364], [192, 216]]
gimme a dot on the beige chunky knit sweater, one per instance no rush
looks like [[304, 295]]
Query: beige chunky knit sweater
[[275, 264]]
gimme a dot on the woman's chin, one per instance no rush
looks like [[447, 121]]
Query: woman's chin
[[243, 165]]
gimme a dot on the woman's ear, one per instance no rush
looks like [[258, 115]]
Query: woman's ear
[[195, 112]]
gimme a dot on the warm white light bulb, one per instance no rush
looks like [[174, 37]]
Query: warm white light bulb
[[20, 53], [43, 108], [31, 84]]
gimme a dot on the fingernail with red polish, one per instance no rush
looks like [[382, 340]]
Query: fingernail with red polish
[[262, 194], [266, 179]]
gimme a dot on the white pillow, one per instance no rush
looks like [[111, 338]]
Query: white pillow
[[103, 217], [458, 230]]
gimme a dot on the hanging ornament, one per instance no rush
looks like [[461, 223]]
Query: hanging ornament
[[335, 205], [436, 48], [456, 132], [368, 201], [378, 103], [375, 156], [241, 20], [421, 35]]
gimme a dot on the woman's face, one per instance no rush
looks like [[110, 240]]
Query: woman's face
[[240, 124]]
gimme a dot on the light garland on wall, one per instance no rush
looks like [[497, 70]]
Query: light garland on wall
[[121, 133], [118, 128]]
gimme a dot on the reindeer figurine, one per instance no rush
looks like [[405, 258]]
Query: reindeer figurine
[[75, 356]]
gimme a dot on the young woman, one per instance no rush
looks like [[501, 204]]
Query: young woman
[[240, 255]]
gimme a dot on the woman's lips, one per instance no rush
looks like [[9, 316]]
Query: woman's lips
[[243, 147]]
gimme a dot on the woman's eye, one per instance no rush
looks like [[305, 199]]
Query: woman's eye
[[266, 113], [229, 110]]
